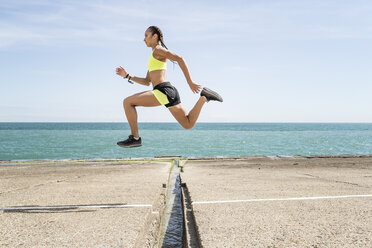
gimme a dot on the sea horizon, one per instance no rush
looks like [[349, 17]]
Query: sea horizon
[[247, 122], [97, 140]]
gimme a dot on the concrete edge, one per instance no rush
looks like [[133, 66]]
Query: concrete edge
[[279, 156], [170, 159], [148, 236], [191, 235], [83, 161]]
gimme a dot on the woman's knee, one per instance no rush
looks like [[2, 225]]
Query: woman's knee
[[127, 102], [187, 125]]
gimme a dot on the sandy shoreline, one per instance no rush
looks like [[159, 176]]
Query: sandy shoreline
[[88, 185]]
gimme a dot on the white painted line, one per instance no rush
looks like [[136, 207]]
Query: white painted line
[[63, 207], [282, 199]]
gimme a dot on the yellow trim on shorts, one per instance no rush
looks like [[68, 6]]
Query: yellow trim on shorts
[[161, 97]]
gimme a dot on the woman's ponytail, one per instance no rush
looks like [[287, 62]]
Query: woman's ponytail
[[156, 30]]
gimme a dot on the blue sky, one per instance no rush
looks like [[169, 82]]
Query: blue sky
[[272, 61]]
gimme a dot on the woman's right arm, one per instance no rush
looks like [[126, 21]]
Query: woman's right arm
[[144, 81]]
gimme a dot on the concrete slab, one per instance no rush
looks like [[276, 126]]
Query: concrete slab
[[296, 223], [75, 183]]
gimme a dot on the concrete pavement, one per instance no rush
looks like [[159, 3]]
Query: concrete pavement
[[323, 201], [255, 202]]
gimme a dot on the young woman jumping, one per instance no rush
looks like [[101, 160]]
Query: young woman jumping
[[163, 92]]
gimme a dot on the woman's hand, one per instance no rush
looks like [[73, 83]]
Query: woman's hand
[[121, 71], [195, 87]]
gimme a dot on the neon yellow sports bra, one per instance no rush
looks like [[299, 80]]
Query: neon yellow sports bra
[[155, 64]]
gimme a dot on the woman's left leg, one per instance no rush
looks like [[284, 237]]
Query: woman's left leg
[[187, 121]]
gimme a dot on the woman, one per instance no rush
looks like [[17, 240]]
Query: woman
[[164, 93]]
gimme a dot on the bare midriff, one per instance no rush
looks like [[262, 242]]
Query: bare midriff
[[157, 77]]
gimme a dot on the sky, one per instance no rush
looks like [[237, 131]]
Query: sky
[[271, 61]]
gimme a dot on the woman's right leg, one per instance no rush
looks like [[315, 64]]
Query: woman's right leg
[[145, 99]]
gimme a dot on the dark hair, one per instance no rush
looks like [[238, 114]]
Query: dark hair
[[156, 30]]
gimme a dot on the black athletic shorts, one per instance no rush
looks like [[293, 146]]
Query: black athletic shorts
[[167, 94]]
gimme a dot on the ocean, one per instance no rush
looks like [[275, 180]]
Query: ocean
[[40, 141]]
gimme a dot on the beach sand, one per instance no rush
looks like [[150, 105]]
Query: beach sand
[[237, 202]]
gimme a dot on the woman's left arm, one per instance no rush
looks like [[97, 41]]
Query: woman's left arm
[[182, 63]]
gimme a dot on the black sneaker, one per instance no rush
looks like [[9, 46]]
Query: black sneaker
[[130, 142], [211, 95]]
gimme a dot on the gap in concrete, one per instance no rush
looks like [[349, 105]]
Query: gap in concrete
[[191, 232], [171, 229], [178, 227]]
